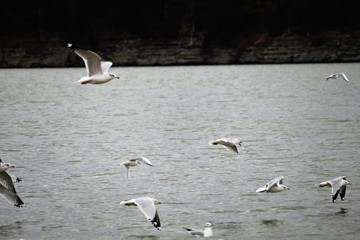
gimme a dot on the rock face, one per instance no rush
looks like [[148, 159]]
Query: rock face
[[178, 32], [262, 48]]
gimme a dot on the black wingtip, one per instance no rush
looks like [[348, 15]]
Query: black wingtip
[[156, 222], [19, 203]]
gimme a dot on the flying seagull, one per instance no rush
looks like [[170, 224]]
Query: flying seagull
[[134, 162], [275, 185], [231, 144], [7, 189], [97, 70], [338, 185], [147, 206], [207, 232], [336, 76]]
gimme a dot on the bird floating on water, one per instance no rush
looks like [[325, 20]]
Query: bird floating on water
[[147, 206], [7, 188], [338, 186], [275, 185], [207, 232], [97, 70], [231, 144], [134, 162]]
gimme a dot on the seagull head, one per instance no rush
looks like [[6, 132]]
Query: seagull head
[[114, 76], [347, 182], [6, 165], [208, 224]]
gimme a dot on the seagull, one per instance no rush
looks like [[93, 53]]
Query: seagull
[[134, 162], [207, 232], [231, 144], [338, 185], [275, 185], [336, 76], [147, 206], [7, 189], [97, 70]]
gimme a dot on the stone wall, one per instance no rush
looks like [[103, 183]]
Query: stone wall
[[258, 49]]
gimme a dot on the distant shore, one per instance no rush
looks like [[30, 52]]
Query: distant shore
[[325, 47]]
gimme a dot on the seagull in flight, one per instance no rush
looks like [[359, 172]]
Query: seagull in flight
[[275, 185], [147, 206], [7, 189], [336, 76], [207, 232], [134, 162], [231, 144], [97, 70], [338, 186]]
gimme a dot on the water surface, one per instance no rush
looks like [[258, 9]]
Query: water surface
[[68, 140]]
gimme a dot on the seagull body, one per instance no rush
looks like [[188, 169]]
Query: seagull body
[[97, 70], [338, 75], [275, 185], [147, 206], [338, 186], [7, 189], [207, 232], [231, 144], [134, 162]]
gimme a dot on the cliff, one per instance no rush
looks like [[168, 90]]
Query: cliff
[[175, 32]]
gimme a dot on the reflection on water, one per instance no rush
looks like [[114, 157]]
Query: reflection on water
[[68, 140]]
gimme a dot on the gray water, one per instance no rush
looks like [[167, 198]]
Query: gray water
[[67, 141]]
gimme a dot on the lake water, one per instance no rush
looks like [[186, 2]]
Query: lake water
[[68, 140]]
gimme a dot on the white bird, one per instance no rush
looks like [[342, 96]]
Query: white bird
[[97, 70], [336, 76], [231, 144], [134, 162], [7, 189], [275, 185], [207, 232], [338, 186], [147, 206]]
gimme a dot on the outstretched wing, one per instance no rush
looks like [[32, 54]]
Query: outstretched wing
[[344, 77], [105, 66], [147, 207], [91, 60], [144, 160]]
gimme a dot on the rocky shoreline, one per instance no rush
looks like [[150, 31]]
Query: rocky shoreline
[[259, 48]]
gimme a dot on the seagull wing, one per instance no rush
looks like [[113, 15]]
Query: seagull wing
[[92, 61], [197, 233], [7, 190], [336, 185], [274, 182], [6, 181], [262, 189], [144, 160], [342, 192], [344, 77], [105, 66], [147, 206]]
